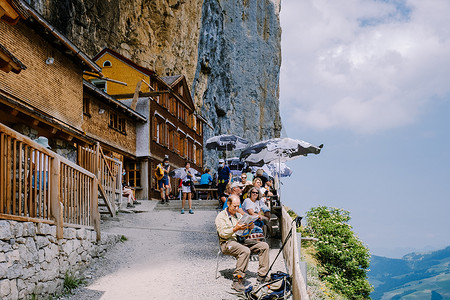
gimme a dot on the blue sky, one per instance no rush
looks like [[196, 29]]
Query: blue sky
[[369, 80]]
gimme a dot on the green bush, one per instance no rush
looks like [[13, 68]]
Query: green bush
[[344, 260]]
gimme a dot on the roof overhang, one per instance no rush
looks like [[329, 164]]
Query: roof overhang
[[35, 21], [8, 13], [114, 102], [9, 62]]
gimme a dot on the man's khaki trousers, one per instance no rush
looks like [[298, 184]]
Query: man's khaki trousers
[[242, 254]]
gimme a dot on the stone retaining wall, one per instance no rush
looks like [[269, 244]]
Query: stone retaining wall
[[34, 262]]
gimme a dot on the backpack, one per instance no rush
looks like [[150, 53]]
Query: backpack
[[279, 287], [159, 172]]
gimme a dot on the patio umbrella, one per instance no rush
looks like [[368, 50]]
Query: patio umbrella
[[226, 142], [272, 169], [235, 165], [178, 173], [277, 150]]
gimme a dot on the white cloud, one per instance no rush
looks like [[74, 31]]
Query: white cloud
[[362, 65]]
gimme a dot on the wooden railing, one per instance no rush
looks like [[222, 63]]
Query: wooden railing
[[291, 256], [116, 169], [38, 185], [108, 172]]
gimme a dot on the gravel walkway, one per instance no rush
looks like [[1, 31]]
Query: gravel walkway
[[167, 256]]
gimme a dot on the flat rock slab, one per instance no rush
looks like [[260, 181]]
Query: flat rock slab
[[166, 256]]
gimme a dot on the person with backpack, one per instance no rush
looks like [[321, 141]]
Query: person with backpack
[[162, 175]]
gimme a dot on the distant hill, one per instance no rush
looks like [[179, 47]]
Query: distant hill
[[418, 276]]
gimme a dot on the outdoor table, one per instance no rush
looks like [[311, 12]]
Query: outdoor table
[[202, 189]]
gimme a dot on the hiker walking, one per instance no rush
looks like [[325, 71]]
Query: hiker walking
[[162, 175]]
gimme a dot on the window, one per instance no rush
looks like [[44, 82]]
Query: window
[[182, 146], [107, 63], [180, 90], [165, 100], [173, 105], [199, 128], [171, 136], [134, 174], [199, 156], [159, 131], [116, 122], [86, 106], [176, 142], [194, 153], [100, 84], [181, 112], [190, 149]]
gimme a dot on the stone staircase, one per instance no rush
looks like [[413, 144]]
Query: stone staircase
[[196, 205]]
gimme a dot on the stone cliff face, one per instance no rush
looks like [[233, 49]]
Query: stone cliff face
[[237, 77], [161, 35], [229, 50]]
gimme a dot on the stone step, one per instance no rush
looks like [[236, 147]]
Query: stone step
[[196, 204]]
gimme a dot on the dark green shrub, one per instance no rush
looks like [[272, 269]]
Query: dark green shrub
[[344, 260]]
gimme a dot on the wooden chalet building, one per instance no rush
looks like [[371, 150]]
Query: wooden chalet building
[[41, 83], [174, 127], [111, 123]]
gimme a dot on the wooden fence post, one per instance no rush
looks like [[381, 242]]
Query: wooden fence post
[[95, 215], [56, 207]]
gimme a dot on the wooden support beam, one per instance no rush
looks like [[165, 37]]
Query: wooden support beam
[[136, 95]]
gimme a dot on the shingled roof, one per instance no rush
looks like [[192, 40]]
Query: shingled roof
[[171, 80], [42, 27]]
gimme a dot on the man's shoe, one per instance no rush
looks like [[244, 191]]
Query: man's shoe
[[167, 201], [135, 202], [261, 279], [162, 201], [237, 285], [191, 211], [182, 211], [129, 205]]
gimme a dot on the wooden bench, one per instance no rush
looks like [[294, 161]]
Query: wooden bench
[[213, 190]]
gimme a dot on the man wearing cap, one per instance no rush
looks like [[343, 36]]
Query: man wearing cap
[[223, 177]]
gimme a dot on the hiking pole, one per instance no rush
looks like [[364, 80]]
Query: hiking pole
[[297, 221]]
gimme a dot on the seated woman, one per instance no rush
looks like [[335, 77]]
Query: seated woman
[[206, 181], [128, 192], [255, 207]]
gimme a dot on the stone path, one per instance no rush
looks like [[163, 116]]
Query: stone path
[[167, 256]]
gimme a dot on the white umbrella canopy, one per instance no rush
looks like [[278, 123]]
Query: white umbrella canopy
[[226, 142], [179, 173], [277, 151], [273, 169], [235, 165]]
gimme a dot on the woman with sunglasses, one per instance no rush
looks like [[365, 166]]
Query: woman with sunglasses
[[255, 207]]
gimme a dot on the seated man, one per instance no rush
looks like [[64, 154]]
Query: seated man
[[227, 225]]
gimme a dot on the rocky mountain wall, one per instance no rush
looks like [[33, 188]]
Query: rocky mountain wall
[[237, 77], [229, 50]]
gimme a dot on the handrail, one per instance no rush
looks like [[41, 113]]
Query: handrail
[[291, 257], [104, 158], [109, 183], [39, 185]]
